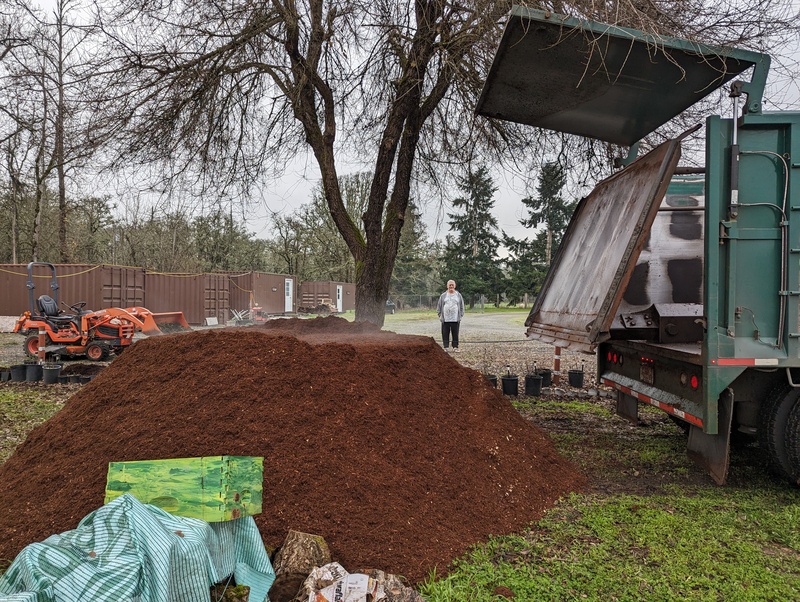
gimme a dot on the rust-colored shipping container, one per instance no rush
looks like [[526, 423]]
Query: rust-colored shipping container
[[198, 296], [273, 293], [216, 294], [340, 294], [100, 286]]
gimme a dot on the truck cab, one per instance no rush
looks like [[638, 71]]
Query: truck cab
[[683, 282]]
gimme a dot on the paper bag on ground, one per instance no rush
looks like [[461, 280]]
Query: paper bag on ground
[[332, 583]]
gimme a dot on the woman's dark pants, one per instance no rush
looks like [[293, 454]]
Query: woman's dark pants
[[448, 329]]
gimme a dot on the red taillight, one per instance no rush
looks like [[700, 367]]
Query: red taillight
[[608, 357], [694, 382], [614, 358]]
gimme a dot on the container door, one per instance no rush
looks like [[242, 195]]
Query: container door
[[288, 288], [339, 298]]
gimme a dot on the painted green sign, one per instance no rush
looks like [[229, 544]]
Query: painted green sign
[[213, 488]]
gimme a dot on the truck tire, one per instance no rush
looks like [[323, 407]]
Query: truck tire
[[773, 427], [32, 344], [793, 443]]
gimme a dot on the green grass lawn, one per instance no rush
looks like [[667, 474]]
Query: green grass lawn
[[21, 409], [689, 540], [712, 544]]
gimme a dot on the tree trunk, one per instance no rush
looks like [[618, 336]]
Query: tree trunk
[[371, 293], [59, 140], [37, 220], [63, 252], [294, 560], [14, 177]]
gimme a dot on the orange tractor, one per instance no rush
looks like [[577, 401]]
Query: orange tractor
[[81, 332]]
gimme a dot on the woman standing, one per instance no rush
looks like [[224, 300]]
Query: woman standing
[[450, 309]]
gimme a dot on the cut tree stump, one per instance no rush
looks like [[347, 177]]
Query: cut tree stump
[[294, 560]]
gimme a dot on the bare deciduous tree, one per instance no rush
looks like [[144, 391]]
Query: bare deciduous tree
[[43, 70], [228, 91]]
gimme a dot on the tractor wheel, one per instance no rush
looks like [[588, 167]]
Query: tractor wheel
[[793, 443], [773, 427], [97, 352], [32, 344]]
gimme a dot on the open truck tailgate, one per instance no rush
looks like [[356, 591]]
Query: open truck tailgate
[[598, 253]]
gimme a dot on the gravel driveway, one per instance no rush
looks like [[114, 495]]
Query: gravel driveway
[[495, 342]]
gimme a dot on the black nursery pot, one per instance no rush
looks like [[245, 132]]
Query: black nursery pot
[[547, 377], [575, 378], [510, 385], [533, 385], [492, 378], [19, 372], [33, 372], [50, 373]]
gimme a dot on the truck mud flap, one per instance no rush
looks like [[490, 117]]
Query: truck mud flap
[[712, 452], [628, 407]]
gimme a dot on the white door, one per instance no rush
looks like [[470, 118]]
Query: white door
[[288, 302], [339, 298]]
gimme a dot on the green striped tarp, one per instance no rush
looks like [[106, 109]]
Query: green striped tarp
[[129, 551]]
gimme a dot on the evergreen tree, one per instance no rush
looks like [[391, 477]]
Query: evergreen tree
[[417, 267], [549, 209], [471, 251], [529, 260]]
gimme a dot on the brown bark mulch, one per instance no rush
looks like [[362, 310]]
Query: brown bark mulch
[[381, 443]]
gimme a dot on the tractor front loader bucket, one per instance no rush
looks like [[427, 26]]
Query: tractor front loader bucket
[[170, 321], [153, 324]]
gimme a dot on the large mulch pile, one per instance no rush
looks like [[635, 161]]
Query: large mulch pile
[[381, 443]]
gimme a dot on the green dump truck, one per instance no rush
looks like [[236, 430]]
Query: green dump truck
[[684, 282]]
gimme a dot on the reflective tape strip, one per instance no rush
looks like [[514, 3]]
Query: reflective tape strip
[[745, 361], [654, 402]]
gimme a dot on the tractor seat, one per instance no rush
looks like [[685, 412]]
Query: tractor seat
[[48, 308]]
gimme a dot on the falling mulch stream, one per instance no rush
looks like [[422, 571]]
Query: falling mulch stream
[[383, 444]]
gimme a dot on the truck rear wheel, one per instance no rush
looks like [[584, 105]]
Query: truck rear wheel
[[793, 443], [773, 427]]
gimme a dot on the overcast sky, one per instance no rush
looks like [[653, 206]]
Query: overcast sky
[[294, 188]]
